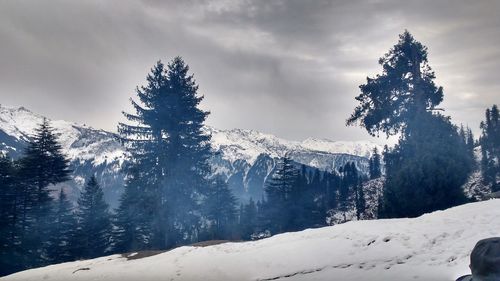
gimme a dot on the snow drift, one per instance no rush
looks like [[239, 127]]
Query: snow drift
[[435, 246]]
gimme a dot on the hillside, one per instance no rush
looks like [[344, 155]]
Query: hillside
[[245, 158], [434, 247]]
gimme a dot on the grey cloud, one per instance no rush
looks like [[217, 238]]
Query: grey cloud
[[291, 68]]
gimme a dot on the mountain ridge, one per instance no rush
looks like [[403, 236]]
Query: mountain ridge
[[244, 157]]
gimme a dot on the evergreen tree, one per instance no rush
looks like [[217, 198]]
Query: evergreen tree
[[9, 234], [426, 169], [169, 153], [220, 209], [61, 233], [405, 89], [425, 172], [360, 201], [133, 217], [349, 180], [470, 142], [278, 191], [375, 166], [92, 237], [42, 165], [248, 220], [490, 147]]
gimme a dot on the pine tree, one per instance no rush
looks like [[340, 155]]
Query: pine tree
[[220, 210], [170, 153], [426, 169], [133, 218], [9, 234], [92, 237], [349, 180], [403, 91], [490, 147], [61, 233], [375, 166], [470, 142], [278, 192], [248, 220], [41, 166], [360, 201]]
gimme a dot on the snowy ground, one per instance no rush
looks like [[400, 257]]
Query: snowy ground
[[432, 247]]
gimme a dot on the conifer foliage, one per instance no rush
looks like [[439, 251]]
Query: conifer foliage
[[426, 169], [220, 210], [92, 237], [26, 202], [60, 246], [490, 147], [375, 165], [169, 152]]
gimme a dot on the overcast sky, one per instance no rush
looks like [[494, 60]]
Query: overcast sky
[[290, 68]]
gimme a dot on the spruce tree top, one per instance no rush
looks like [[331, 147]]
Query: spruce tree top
[[404, 89], [44, 157]]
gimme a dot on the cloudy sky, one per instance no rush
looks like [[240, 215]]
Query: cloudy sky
[[290, 68]]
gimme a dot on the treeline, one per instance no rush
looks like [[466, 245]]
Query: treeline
[[298, 197]]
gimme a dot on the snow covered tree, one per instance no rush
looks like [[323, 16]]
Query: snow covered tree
[[92, 237], [220, 210], [61, 232], [169, 153]]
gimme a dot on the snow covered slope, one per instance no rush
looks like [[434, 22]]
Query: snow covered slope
[[245, 157], [90, 151], [434, 247]]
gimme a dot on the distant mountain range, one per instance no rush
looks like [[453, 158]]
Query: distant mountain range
[[244, 157]]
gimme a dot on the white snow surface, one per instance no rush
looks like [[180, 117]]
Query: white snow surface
[[432, 247]]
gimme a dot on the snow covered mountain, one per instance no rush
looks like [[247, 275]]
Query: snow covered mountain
[[433, 247], [244, 157]]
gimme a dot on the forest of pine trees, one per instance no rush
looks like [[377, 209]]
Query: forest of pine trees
[[169, 199]]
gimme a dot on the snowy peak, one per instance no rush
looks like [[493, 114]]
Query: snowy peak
[[249, 144], [358, 148], [79, 142]]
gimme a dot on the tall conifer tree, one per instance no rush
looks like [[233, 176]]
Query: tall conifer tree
[[403, 99], [92, 237], [169, 153], [62, 231]]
